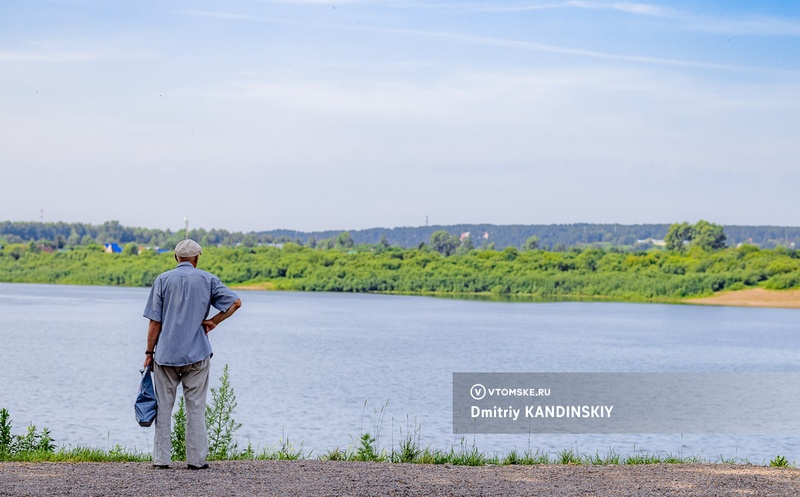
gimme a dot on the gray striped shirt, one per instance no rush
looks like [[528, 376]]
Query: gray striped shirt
[[180, 300]]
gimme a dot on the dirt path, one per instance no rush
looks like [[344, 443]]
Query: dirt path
[[320, 479]]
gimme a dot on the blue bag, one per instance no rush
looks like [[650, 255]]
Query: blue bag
[[145, 406]]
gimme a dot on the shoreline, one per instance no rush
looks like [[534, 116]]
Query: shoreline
[[752, 297]]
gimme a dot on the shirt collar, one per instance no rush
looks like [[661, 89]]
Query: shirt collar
[[184, 263]]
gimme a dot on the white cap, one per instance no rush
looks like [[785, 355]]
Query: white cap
[[187, 248]]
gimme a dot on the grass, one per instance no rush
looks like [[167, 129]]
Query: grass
[[78, 454], [407, 452], [37, 446]]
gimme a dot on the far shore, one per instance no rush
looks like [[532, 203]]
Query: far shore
[[752, 297]]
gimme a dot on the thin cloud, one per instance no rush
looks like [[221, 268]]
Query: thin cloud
[[517, 8], [219, 15], [754, 25], [766, 26], [628, 7], [318, 2], [542, 47], [55, 57], [758, 25]]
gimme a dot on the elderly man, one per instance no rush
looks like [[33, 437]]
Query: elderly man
[[179, 350]]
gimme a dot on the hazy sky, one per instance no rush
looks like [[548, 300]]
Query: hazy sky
[[254, 115]]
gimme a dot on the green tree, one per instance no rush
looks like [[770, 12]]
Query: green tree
[[678, 235], [708, 236], [113, 232], [130, 249], [532, 243], [443, 242], [344, 241], [466, 246], [74, 238], [510, 253], [249, 240]]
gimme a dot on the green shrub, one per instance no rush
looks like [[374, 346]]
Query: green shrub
[[33, 441], [220, 423], [779, 462]]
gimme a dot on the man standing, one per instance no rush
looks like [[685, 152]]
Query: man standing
[[179, 350]]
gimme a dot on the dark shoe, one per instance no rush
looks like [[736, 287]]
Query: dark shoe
[[204, 466], [160, 466]]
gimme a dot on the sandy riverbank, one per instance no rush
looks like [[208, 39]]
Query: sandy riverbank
[[753, 297], [320, 479]]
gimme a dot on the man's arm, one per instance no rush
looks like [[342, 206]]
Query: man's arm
[[153, 331], [210, 324]]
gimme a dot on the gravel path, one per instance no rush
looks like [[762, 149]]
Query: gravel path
[[320, 479]]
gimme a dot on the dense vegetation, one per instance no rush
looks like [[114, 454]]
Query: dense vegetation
[[556, 237], [445, 265]]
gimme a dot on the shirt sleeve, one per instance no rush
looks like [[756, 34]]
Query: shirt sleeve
[[155, 302], [222, 298]]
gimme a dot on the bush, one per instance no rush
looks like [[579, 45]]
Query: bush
[[16, 445], [220, 424]]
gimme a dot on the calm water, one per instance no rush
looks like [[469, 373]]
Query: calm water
[[303, 365]]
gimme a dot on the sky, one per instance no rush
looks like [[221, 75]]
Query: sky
[[252, 115]]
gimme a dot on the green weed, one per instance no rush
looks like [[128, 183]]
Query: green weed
[[220, 423], [32, 442], [409, 450], [219, 420], [779, 462], [568, 456], [178, 435]]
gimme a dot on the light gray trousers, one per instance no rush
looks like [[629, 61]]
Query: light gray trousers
[[194, 378]]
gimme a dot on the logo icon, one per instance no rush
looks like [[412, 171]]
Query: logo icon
[[477, 391]]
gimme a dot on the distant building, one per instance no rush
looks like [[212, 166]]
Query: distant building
[[464, 235], [112, 248], [657, 243]]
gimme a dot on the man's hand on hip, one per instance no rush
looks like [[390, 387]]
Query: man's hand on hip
[[209, 325]]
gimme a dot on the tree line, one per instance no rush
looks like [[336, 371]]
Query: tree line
[[557, 237], [695, 264]]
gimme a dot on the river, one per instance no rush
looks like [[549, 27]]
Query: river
[[318, 369]]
